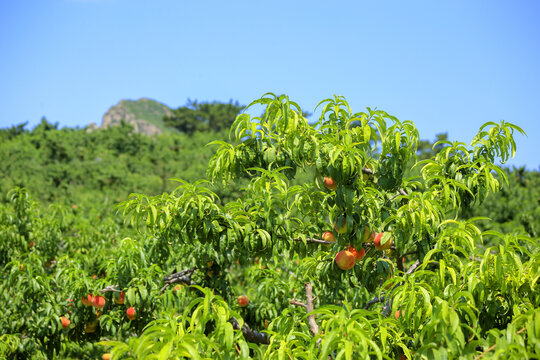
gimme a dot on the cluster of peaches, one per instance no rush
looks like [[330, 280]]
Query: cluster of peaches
[[98, 302], [345, 259]]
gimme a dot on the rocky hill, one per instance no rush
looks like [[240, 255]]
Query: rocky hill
[[145, 115]]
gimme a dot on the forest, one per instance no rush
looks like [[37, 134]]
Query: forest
[[267, 237]]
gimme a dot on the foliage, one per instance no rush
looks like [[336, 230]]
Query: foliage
[[204, 116], [446, 288], [73, 166], [516, 208]]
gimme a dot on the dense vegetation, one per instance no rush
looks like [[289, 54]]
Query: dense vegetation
[[73, 166], [203, 116], [447, 287]]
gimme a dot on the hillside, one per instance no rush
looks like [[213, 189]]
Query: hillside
[[145, 115]]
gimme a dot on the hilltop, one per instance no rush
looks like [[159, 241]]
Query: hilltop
[[145, 115]]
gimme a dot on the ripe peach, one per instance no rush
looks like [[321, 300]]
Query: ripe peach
[[243, 300], [65, 322], [98, 301], [329, 236], [345, 260], [130, 312], [329, 183], [358, 255]]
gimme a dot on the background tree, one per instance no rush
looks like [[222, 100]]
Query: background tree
[[427, 149], [205, 116]]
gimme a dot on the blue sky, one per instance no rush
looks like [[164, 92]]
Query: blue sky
[[449, 66]]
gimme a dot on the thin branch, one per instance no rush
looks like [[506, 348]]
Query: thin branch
[[399, 263], [401, 192], [319, 241], [374, 301], [413, 267], [313, 327], [371, 245], [368, 171], [250, 334], [111, 288], [409, 253], [180, 274], [315, 241], [493, 346], [297, 302], [183, 276]]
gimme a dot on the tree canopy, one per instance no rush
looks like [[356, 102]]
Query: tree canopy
[[203, 116]]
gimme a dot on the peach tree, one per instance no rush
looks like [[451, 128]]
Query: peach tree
[[423, 283]]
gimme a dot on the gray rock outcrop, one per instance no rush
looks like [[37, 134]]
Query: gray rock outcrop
[[145, 115]]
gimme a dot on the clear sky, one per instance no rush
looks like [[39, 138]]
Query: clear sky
[[449, 66]]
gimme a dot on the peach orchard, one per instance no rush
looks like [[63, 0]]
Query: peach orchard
[[370, 259]]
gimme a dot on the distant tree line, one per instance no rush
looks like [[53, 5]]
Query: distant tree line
[[73, 164], [203, 116]]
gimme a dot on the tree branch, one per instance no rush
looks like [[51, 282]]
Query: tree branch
[[368, 171], [313, 327], [371, 245], [374, 301], [111, 288], [297, 303], [400, 192], [409, 253], [183, 276], [399, 263], [413, 267], [495, 345], [249, 334], [315, 241], [319, 241]]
